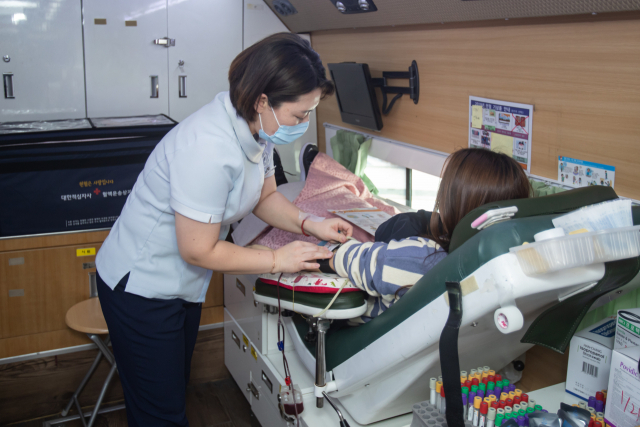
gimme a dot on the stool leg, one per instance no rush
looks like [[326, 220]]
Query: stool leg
[[96, 408], [103, 347], [83, 383]]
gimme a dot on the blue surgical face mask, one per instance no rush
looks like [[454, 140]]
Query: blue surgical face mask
[[284, 134]]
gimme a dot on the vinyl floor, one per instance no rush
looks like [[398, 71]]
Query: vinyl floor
[[212, 404]]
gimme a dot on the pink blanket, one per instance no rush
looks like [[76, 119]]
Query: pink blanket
[[329, 185]]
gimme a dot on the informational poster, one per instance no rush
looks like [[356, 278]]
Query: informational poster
[[501, 126], [369, 219], [578, 173]]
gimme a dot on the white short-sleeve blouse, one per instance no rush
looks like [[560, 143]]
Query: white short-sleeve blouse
[[208, 168]]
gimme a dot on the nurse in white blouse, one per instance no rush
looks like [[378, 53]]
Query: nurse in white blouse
[[210, 171]]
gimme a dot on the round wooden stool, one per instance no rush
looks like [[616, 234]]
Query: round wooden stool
[[87, 317]]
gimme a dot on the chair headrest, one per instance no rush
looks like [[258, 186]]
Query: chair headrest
[[566, 201]]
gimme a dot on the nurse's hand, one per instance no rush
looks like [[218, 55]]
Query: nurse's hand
[[333, 230], [298, 256]]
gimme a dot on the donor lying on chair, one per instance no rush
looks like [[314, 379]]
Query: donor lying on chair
[[472, 178]]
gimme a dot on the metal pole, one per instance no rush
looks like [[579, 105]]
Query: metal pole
[[321, 364]]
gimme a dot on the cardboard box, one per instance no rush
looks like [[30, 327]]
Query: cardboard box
[[590, 359], [623, 397], [627, 328]]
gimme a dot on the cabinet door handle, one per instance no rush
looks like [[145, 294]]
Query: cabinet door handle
[[155, 88], [7, 79], [182, 86]]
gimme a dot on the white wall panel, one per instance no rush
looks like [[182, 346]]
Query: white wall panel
[[208, 37], [120, 59], [43, 39], [260, 22]]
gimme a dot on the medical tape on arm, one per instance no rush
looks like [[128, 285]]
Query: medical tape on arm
[[307, 216]]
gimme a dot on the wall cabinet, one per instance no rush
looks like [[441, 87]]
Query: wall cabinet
[[42, 66], [129, 65]]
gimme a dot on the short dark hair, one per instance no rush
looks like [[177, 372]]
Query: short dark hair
[[282, 66]]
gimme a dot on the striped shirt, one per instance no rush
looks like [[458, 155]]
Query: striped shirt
[[381, 269]]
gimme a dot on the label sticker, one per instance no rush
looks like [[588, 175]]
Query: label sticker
[[254, 353], [245, 339], [85, 252]]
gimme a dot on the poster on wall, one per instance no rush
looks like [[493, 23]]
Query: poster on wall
[[579, 173], [501, 126]]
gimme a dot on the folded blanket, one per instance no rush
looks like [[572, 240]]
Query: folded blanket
[[329, 185]]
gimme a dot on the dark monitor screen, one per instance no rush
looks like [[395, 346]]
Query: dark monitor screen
[[355, 94]]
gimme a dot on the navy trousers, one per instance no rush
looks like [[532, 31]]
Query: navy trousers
[[153, 341]]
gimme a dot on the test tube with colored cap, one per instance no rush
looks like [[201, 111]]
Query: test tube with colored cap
[[499, 377], [472, 373], [484, 409], [464, 406], [598, 424], [467, 384], [499, 418], [498, 388], [524, 405], [505, 383], [515, 407], [475, 381], [526, 420], [522, 412], [498, 422], [516, 399], [443, 401], [504, 396], [482, 386], [480, 393], [518, 392], [509, 403], [599, 395], [507, 411], [438, 397], [600, 420], [532, 403], [599, 415], [592, 402], [530, 410], [480, 370], [491, 417], [440, 378], [492, 372], [592, 410], [488, 400], [537, 408], [592, 423], [502, 404], [494, 404], [491, 385], [476, 410], [493, 398], [521, 420], [472, 398], [463, 376], [599, 406], [432, 386], [486, 369], [524, 397], [512, 394], [492, 378]]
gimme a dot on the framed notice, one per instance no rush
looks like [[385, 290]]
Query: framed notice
[[502, 126]]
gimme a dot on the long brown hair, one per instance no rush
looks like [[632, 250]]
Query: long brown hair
[[473, 177]]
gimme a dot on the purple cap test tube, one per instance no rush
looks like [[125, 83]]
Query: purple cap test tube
[[599, 406], [472, 397], [526, 420], [592, 402], [464, 401], [480, 393], [521, 420]]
